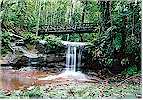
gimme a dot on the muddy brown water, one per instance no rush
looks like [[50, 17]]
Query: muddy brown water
[[17, 80]]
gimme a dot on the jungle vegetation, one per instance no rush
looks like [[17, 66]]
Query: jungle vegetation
[[116, 44]]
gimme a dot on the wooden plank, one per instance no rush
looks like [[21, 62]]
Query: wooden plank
[[67, 32], [68, 29]]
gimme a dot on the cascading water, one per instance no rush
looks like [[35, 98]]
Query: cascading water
[[73, 55], [71, 58]]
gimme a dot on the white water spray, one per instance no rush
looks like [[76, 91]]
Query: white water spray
[[73, 59]]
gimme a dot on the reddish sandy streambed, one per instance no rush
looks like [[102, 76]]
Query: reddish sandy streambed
[[14, 79], [11, 80], [17, 80]]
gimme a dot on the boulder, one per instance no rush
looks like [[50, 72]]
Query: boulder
[[20, 61]]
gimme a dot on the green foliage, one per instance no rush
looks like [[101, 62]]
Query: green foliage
[[53, 41], [131, 70], [109, 62], [117, 41], [2, 95], [5, 41], [30, 37], [36, 92], [119, 25], [5, 36], [125, 61], [74, 38], [77, 91], [132, 45], [121, 44], [91, 91]]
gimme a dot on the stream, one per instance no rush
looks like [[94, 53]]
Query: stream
[[14, 79], [27, 77], [20, 79]]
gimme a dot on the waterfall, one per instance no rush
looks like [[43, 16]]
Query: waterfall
[[71, 58], [73, 55]]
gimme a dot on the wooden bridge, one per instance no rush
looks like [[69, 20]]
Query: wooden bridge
[[67, 29]]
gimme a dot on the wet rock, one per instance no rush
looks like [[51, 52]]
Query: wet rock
[[26, 69], [8, 93], [139, 95], [51, 58], [31, 87], [20, 43], [41, 48], [20, 61], [3, 62]]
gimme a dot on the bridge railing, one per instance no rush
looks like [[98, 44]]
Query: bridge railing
[[71, 28]]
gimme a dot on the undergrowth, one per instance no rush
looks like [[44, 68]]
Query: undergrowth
[[78, 91]]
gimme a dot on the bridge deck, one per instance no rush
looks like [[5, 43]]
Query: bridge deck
[[66, 29]]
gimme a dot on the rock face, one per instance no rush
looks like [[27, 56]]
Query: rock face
[[39, 62], [41, 48], [20, 43], [19, 62], [52, 58], [21, 57], [3, 62]]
